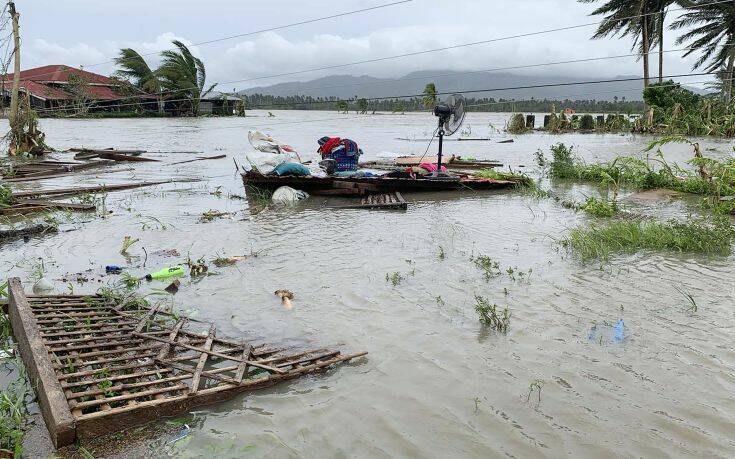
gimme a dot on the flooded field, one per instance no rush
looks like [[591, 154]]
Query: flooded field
[[402, 286]]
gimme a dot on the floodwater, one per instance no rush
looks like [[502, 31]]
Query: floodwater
[[436, 383]]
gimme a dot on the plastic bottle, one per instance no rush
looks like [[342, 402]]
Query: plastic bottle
[[619, 331], [166, 273]]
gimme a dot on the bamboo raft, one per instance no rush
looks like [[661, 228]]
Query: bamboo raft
[[344, 186], [100, 366]]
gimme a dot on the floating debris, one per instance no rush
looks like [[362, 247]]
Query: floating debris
[[103, 365], [286, 297]]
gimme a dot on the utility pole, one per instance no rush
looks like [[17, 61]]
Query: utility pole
[[13, 115]]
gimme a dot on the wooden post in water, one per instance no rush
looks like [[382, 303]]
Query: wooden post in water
[[15, 127], [530, 121], [547, 120]]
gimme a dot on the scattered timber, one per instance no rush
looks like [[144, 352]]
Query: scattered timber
[[200, 158], [381, 201], [115, 155], [48, 169], [29, 206], [94, 189], [35, 230], [99, 367]]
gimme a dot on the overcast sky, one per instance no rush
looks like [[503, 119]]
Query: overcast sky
[[88, 32]]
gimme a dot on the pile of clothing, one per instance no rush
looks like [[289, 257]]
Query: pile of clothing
[[339, 155]]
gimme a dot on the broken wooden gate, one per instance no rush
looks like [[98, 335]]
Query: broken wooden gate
[[100, 366]]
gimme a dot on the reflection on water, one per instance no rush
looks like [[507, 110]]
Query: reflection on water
[[435, 384]]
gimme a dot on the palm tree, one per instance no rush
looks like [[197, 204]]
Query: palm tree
[[136, 70], [713, 37], [661, 7], [429, 99], [718, 85], [628, 18], [184, 74]]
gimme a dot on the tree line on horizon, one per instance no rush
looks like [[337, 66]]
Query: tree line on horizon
[[427, 102]]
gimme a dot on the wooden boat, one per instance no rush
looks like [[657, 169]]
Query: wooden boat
[[351, 186]]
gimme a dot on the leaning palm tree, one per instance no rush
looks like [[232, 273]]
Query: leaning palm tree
[[136, 70], [713, 37], [184, 74], [628, 18]]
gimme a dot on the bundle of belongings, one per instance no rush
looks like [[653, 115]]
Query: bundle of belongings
[[281, 159], [338, 155]]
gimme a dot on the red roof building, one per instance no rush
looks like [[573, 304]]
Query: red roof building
[[50, 86]]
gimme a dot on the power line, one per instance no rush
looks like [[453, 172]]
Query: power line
[[256, 32], [447, 48], [496, 69]]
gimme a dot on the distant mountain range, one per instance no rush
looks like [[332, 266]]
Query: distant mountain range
[[346, 86]]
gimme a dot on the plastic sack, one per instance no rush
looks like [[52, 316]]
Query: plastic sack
[[265, 163], [286, 196], [291, 169], [267, 144]]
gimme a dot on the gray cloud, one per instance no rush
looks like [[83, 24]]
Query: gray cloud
[[420, 25]]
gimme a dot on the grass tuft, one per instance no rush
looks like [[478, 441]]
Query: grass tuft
[[490, 316], [522, 180], [601, 241]]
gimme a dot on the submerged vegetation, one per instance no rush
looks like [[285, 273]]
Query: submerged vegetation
[[6, 196], [516, 124], [708, 177], [600, 207], [618, 236], [491, 316], [521, 179]]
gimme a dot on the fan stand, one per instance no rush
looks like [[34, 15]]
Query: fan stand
[[438, 174]]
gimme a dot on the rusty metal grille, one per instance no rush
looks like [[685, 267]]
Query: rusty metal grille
[[116, 367]]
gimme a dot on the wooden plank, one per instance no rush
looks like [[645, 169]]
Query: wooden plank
[[51, 398], [242, 367], [92, 425], [98, 188], [123, 157], [166, 348], [144, 321], [201, 158], [193, 371], [214, 353], [120, 398], [202, 361]]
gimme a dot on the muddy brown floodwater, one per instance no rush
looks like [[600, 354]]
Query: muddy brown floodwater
[[436, 384]]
